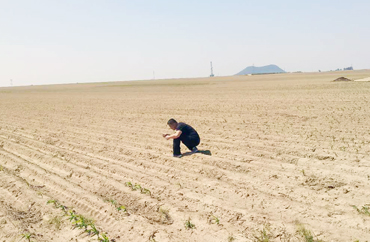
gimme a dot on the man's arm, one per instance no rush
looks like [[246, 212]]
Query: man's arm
[[175, 135]]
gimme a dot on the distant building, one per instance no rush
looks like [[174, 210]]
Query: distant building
[[254, 70], [348, 68]]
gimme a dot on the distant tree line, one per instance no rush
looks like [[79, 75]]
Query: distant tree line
[[344, 69]]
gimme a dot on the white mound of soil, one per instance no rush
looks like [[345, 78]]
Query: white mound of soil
[[367, 79]]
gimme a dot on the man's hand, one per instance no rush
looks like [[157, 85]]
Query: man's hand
[[173, 136]]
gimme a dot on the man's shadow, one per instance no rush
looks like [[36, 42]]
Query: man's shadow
[[204, 152]]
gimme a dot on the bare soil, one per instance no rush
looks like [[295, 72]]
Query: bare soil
[[280, 154]]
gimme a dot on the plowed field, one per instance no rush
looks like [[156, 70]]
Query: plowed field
[[281, 156]]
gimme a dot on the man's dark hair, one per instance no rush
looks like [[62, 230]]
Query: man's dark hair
[[171, 121]]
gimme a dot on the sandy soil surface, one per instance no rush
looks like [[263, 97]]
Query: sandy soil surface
[[289, 158]]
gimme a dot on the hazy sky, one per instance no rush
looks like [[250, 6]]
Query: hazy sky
[[66, 41]]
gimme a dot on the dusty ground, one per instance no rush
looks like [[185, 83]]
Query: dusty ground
[[289, 153], [363, 80]]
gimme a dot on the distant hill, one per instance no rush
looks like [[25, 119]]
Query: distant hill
[[261, 70]]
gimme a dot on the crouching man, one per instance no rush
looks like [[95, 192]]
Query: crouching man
[[183, 133]]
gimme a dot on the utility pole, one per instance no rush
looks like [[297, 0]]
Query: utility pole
[[212, 75]]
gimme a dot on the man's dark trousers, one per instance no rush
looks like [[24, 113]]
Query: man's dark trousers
[[189, 142]]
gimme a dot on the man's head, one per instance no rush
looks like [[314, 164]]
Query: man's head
[[172, 123]]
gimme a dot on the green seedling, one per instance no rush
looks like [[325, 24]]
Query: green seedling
[[64, 208], [364, 210], [55, 202], [27, 236], [189, 225], [93, 231], [1, 168], [137, 187], [82, 222], [78, 223], [103, 238], [307, 235], [230, 238], [114, 202], [145, 191], [165, 216], [122, 208], [263, 237], [215, 219], [57, 205], [118, 207], [72, 216]]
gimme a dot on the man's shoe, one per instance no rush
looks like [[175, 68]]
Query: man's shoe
[[194, 150], [177, 156]]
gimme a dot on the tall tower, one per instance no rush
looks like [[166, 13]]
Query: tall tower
[[212, 75]]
